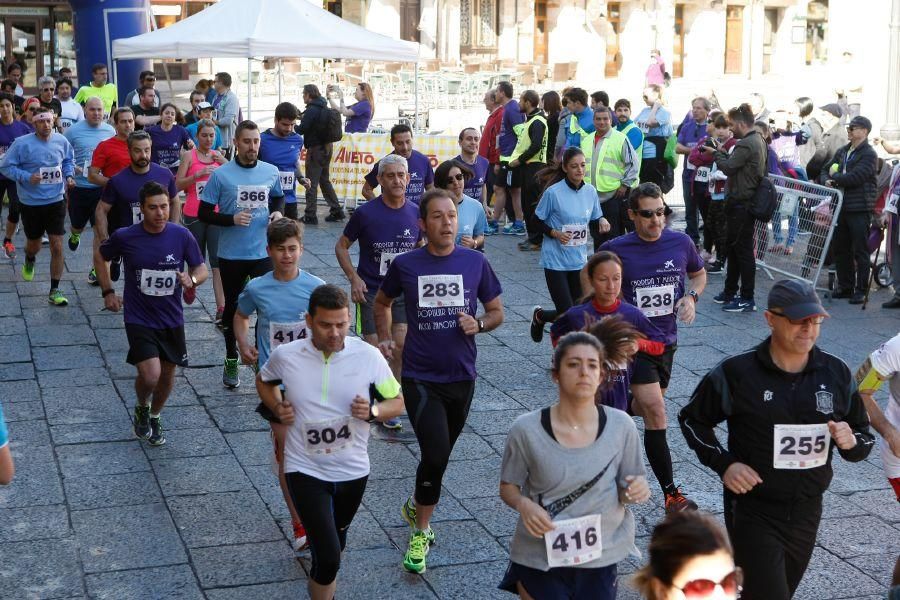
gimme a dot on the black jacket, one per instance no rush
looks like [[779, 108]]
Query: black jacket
[[313, 123], [855, 177], [753, 395], [745, 166]]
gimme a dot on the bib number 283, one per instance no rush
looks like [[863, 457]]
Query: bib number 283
[[436, 291], [573, 541]]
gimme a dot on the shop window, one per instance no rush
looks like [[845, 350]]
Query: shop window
[[478, 23]]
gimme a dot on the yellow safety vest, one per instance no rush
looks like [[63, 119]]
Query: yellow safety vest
[[524, 141], [587, 139], [606, 172]]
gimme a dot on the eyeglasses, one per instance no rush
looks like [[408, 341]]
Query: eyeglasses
[[649, 214], [704, 588], [34, 110], [48, 89], [458, 177], [814, 320]]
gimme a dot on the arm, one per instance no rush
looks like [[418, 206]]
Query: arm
[[10, 166], [682, 149], [631, 165], [207, 213], [182, 180], [270, 394], [734, 162], [101, 220], [880, 423], [102, 252], [858, 422], [96, 177], [368, 191], [861, 171], [492, 318], [147, 120], [358, 287], [7, 467], [383, 321], [534, 517], [686, 307], [248, 351], [227, 110], [701, 415], [338, 105]]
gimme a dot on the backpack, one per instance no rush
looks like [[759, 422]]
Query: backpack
[[765, 201], [333, 128]]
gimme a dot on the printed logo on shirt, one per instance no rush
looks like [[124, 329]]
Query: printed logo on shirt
[[669, 266], [406, 232], [767, 396], [824, 401], [170, 258]]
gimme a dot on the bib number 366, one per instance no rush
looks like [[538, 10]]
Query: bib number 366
[[801, 446], [573, 541]]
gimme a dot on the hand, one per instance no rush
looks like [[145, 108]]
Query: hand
[[637, 491], [358, 289], [830, 183], [275, 216], [603, 225], [112, 302], [686, 310], [467, 323], [842, 434], [359, 408], [185, 279], [707, 149], [243, 218], [620, 193], [249, 354], [467, 241], [514, 163], [34, 179], [563, 237], [535, 519], [387, 348], [70, 182], [740, 479], [892, 439], [285, 412], [305, 182], [883, 219]]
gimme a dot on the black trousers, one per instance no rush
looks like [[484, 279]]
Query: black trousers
[[318, 161], [615, 210], [235, 275], [851, 253], [741, 264], [531, 195], [564, 288]]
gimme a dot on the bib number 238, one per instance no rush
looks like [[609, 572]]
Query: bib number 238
[[436, 291], [573, 541], [801, 446], [656, 301]]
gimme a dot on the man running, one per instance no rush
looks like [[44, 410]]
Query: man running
[[787, 404], [43, 165], [280, 146], [385, 227], [280, 299], [248, 195], [112, 155], [421, 175], [507, 183], [476, 187], [663, 276], [441, 285], [155, 252], [10, 129], [327, 378]]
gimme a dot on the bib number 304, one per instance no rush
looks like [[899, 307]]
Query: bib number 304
[[801, 446], [573, 541], [328, 437]]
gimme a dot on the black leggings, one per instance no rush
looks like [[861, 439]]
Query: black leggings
[[565, 291], [235, 275], [8, 187], [326, 510], [438, 412]]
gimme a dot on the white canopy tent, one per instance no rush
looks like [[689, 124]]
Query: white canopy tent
[[274, 28]]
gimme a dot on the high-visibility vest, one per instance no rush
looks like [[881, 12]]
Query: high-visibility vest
[[607, 164], [587, 139], [524, 141]]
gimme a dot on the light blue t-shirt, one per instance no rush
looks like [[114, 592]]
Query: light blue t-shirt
[[664, 129], [53, 159], [234, 188], [280, 309], [565, 209], [4, 434], [84, 139], [470, 218]]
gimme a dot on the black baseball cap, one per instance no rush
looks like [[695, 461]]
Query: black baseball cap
[[796, 299]]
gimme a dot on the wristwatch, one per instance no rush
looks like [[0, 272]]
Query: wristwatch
[[693, 294], [373, 412], [194, 281], [480, 326]]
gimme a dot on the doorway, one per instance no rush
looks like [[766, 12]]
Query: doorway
[[22, 38], [613, 54], [770, 29], [678, 54], [734, 39], [541, 32]]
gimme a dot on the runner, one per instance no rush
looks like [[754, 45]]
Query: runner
[[112, 155], [280, 300], [441, 285], [884, 364], [327, 379], [281, 146], [155, 252], [453, 175], [663, 276], [169, 138], [421, 175], [574, 525], [10, 129], [193, 173], [247, 194], [42, 164], [476, 186], [507, 180], [787, 404], [385, 227]]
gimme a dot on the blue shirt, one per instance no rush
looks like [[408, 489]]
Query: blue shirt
[[234, 188], [634, 135], [8, 134], [480, 167], [663, 129], [54, 159], [280, 308], [511, 116], [586, 122], [470, 218], [565, 209], [192, 131], [282, 152], [84, 139]]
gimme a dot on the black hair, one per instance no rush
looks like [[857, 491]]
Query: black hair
[[442, 173], [150, 189], [64, 81], [121, 109], [577, 95], [145, 74], [743, 114], [430, 195], [645, 190], [12, 67], [554, 173], [97, 66], [286, 110], [400, 128], [144, 89], [463, 132], [571, 339], [225, 78], [312, 90], [804, 106], [531, 97], [601, 97], [551, 102], [622, 102], [138, 135], [328, 297], [246, 124]]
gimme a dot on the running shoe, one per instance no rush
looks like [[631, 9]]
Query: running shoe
[[739, 305], [230, 376], [45, 241], [115, 269], [306, 220], [28, 271], [335, 217], [419, 545], [408, 512], [92, 277], [677, 502], [57, 299], [715, 268], [394, 423], [10, 249], [492, 228], [527, 246], [537, 326], [141, 422], [74, 241], [300, 543], [190, 294], [516, 228], [722, 298], [156, 432]]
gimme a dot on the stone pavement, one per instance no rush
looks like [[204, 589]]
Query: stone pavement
[[94, 513]]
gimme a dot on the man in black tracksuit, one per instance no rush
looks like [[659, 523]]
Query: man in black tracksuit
[[531, 159], [786, 404]]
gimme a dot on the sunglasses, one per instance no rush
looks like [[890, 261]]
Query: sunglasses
[[649, 214], [704, 588], [816, 320], [457, 177], [48, 89]]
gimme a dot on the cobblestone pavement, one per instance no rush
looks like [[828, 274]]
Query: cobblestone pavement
[[94, 513]]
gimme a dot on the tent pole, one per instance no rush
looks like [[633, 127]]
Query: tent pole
[[279, 81], [249, 93], [416, 105]]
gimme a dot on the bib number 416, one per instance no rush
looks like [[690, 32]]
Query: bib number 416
[[573, 541]]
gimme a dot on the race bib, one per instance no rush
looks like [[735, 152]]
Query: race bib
[[158, 283], [327, 437], [136, 215], [386, 259], [284, 333], [702, 175], [51, 175], [252, 197], [287, 180], [579, 234], [656, 301], [801, 446], [199, 187], [436, 291], [573, 541]]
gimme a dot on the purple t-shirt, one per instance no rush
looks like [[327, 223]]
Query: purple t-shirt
[[167, 145], [153, 296], [654, 273], [436, 349], [420, 175], [475, 185], [508, 138], [690, 135], [122, 192], [8, 134], [362, 114], [383, 233]]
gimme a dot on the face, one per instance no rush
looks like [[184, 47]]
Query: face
[[15, 75], [43, 127], [488, 101], [359, 94], [168, 116], [393, 181], [456, 183], [790, 337], [286, 255], [524, 105], [602, 122], [218, 85], [140, 153], [579, 372], [440, 225], [329, 327], [607, 282], [402, 143], [722, 133], [206, 136], [650, 96], [306, 98], [699, 112], [284, 127], [649, 228], [712, 567], [64, 91], [7, 112], [93, 111], [100, 76], [623, 114], [47, 91], [575, 168], [206, 113], [124, 123], [155, 209], [147, 98], [247, 145], [470, 140], [195, 100], [857, 135]]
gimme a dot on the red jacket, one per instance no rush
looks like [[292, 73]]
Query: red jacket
[[488, 145]]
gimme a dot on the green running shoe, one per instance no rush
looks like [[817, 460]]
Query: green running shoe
[[156, 432], [92, 278], [27, 271], [414, 559], [408, 512], [230, 376], [57, 299], [74, 241], [142, 422]]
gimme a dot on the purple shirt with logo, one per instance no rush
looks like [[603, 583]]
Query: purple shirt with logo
[[663, 265], [166, 147], [436, 349], [508, 138], [420, 175], [122, 192], [475, 185], [381, 229], [164, 251]]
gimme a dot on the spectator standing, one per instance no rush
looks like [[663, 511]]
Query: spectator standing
[[147, 79], [99, 86], [629, 128], [528, 157], [552, 107], [228, 110], [313, 126], [359, 114], [205, 110], [195, 99], [708, 176], [581, 118], [655, 122], [146, 113], [833, 135], [487, 147], [613, 171], [14, 72], [691, 133], [656, 71]]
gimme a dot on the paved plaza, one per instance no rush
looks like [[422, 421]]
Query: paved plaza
[[95, 513]]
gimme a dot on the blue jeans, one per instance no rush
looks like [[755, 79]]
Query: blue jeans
[[793, 226]]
